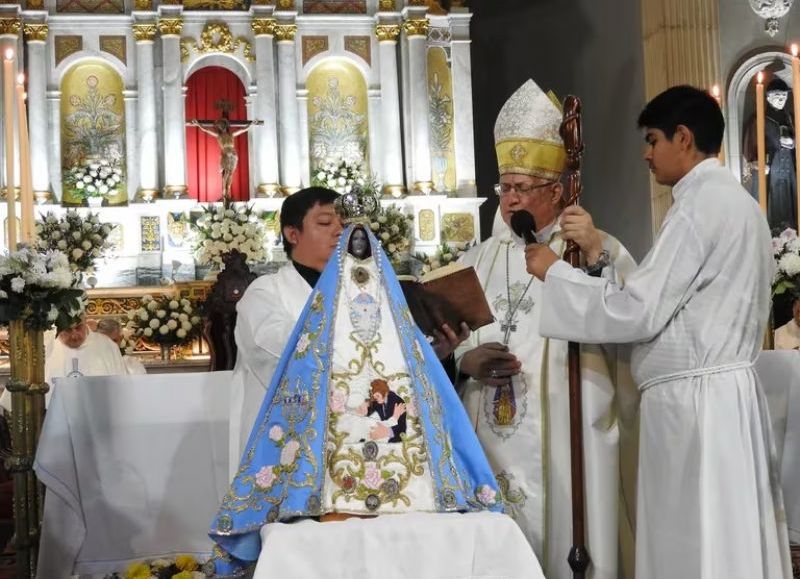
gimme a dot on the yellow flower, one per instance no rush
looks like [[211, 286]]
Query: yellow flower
[[137, 571], [183, 575], [185, 563]]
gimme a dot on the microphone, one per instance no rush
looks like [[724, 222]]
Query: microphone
[[524, 225]]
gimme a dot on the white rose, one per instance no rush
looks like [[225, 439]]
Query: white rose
[[154, 323], [173, 304], [152, 306], [163, 330], [790, 263], [61, 244], [76, 235], [161, 313], [183, 318], [181, 333], [143, 315], [86, 245], [77, 253], [186, 326], [172, 324], [148, 332]]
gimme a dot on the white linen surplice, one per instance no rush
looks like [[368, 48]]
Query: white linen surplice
[[709, 505]]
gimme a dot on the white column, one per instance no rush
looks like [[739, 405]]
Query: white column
[[265, 138], [375, 133], [36, 37], [54, 141], [305, 146], [288, 118], [461, 66], [131, 144], [417, 34], [146, 129], [174, 115], [392, 136]]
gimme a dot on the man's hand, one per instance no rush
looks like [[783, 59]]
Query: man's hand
[[490, 363], [538, 259], [577, 226], [379, 431], [399, 410], [445, 340], [362, 409]]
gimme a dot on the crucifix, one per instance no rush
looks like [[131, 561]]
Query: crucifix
[[223, 130]]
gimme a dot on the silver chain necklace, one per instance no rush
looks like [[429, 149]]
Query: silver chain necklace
[[508, 326]]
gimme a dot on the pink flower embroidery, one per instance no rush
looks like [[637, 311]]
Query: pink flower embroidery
[[486, 495], [302, 343], [411, 408], [276, 433], [372, 476], [265, 477], [289, 452], [337, 401]]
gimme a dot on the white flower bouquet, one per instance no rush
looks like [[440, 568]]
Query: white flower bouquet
[[37, 288], [342, 176], [445, 255], [786, 251], [165, 320], [81, 238], [94, 179], [219, 230], [393, 228]]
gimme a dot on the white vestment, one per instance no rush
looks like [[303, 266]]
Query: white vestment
[[133, 365], [531, 456], [97, 356], [266, 316], [787, 337], [709, 504]]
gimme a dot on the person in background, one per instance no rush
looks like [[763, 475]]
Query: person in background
[[112, 329]]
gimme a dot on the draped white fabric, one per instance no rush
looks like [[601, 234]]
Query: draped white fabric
[[709, 504], [135, 467], [418, 545]]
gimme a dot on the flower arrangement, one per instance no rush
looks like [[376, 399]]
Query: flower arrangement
[[183, 567], [786, 251], [219, 230], [81, 239], [393, 228], [342, 176], [94, 179], [37, 288], [445, 255], [164, 320]]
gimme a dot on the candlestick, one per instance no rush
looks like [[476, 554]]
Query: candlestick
[[796, 99], [28, 229], [715, 92], [8, 109], [761, 143]]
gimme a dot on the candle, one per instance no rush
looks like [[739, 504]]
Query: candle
[[8, 108], [715, 92], [796, 98], [761, 143], [28, 229]]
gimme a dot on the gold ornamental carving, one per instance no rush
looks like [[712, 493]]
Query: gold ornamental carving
[[387, 5], [427, 225], [416, 27], [387, 32], [144, 32], [214, 4], [66, 45], [10, 26], [263, 26], [285, 32], [170, 26], [458, 227], [359, 45], [115, 46], [35, 32], [262, 2], [216, 37], [286, 5], [312, 46], [143, 5], [417, 3], [34, 5]]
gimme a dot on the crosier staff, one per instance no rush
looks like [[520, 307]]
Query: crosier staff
[[579, 559]]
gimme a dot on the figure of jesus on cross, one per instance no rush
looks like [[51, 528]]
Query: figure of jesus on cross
[[221, 129]]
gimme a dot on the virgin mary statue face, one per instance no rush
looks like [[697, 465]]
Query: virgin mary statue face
[[359, 244]]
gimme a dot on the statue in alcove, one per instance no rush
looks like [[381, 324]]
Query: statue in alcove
[[780, 144]]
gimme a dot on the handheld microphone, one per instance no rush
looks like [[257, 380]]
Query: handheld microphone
[[524, 225]]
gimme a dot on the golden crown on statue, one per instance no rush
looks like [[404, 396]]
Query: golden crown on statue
[[358, 205]]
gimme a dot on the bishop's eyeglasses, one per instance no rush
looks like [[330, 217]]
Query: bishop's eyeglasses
[[503, 189]]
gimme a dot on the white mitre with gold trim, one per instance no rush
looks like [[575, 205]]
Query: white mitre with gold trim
[[526, 134]]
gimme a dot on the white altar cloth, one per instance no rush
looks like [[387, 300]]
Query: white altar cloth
[[135, 467], [418, 545], [779, 373]]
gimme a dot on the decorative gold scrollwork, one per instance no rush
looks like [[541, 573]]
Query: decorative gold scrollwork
[[216, 37], [416, 27], [386, 32]]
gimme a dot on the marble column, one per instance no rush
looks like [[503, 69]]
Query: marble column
[[417, 36], [36, 40], [289, 118], [10, 29], [174, 115], [305, 146], [265, 138], [146, 129], [54, 141], [461, 66], [132, 145], [392, 136]]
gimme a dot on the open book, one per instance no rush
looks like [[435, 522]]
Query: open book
[[449, 295]]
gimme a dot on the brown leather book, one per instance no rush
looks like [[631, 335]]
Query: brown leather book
[[448, 295]]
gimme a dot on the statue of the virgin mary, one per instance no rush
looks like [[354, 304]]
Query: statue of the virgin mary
[[360, 418]]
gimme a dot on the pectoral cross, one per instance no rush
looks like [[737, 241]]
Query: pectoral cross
[[221, 130], [508, 325]]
